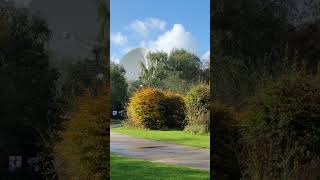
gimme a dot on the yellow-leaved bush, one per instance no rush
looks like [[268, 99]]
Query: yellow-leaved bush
[[82, 151], [152, 108]]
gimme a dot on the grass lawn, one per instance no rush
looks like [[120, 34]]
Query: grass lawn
[[123, 168], [178, 137]]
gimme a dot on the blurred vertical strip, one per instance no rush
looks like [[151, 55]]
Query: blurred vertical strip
[[212, 5], [104, 34]]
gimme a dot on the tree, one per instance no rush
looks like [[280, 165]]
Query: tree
[[155, 72], [119, 87], [249, 28], [175, 72], [182, 61], [175, 83], [83, 74], [27, 83]]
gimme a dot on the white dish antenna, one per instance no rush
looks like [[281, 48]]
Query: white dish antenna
[[132, 63]]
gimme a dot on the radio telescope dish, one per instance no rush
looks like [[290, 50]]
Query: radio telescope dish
[[132, 63]]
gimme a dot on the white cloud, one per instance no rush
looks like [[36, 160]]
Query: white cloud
[[177, 37], [118, 38], [143, 27], [155, 23], [114, 59]]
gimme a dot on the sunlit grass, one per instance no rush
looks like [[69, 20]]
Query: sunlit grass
[[173, 136], [123, 168]]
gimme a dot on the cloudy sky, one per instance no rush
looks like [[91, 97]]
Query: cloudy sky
[[160, 25]]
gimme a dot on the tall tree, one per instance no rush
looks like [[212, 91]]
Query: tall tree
[[155, 71], [176, 71], [27, 83], [119, 87], [187, 63]]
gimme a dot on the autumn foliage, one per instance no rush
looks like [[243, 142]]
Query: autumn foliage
[[155, 109], [82, 152]]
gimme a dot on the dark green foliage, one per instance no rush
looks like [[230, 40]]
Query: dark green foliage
[[254, 44], [176, 72], [29, 114], [175, 111], [184, 62], [281, 132], [235, 79], [119, 87], [225, 164], [175, 83], [156, 71], [79, 77], [249, 28], [304, 40]]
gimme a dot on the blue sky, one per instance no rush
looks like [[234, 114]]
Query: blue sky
[[160, 25]]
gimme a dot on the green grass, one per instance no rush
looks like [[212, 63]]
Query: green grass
[[123, 168], [178, 137]]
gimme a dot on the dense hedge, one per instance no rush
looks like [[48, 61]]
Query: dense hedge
[[175, 110], [198, 108], [281, 133], [199, 96], [155, 109]]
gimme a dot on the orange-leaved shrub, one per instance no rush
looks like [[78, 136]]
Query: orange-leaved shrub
[[152, 108]]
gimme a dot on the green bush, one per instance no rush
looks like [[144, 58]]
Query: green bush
[[175, 110], [281, 132], [198, 108], [154, 109]]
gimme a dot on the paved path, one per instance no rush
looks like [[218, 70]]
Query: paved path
[[158, 151]]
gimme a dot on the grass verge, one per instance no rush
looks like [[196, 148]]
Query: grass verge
[[178, 137], [124, 168]]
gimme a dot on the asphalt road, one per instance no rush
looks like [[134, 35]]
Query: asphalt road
[[158, 151]]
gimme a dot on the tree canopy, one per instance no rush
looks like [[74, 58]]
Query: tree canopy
[[119, 87], [175, 71]]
